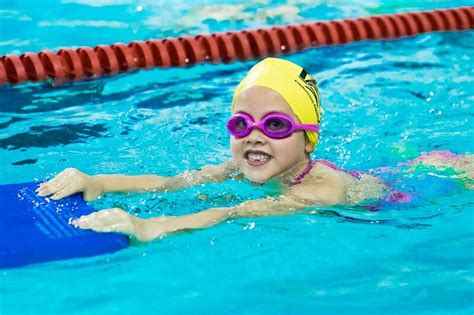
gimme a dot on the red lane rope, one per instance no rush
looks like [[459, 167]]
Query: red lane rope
[[86, 62]]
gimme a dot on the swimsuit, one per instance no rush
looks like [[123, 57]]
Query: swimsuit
[[393, 195], [310, 166]]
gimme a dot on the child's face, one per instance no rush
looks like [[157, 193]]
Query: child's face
[[259, 157]]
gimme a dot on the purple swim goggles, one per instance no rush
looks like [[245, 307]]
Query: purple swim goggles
[[275, 126]]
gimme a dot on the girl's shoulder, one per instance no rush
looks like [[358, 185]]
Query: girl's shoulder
[[331, 173], [329, 184], [324, 185]]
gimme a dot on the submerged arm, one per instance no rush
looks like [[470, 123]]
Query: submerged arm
[[117, 220], [71, 181], [140, 183]]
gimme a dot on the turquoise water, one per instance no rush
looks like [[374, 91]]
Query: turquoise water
[[384, 103]]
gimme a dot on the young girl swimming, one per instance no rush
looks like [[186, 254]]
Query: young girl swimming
[[274, 128]]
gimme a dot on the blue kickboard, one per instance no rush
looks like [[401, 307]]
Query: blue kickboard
[[35, 229]]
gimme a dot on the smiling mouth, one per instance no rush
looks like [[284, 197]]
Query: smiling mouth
[[257, 158]]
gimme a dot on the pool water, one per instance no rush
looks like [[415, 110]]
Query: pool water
[[384, 103]]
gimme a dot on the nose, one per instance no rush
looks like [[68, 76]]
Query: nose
[[255, 136]]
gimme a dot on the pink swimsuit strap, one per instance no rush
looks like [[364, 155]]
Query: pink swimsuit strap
[[310, 166], [305, 172]]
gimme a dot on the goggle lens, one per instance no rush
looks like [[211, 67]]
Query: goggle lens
[[277, 125], [238, 124]]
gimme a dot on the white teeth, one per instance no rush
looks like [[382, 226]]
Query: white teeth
[[258, 157]]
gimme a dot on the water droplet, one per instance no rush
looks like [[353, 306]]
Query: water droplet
[[139, 8], [283, 47], [249, 226]]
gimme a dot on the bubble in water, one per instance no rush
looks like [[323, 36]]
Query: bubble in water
[[212, 241], [249, 226]]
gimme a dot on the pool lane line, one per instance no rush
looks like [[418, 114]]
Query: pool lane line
[[84, 63]]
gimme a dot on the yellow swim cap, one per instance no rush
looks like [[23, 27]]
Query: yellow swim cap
[[293, 83]]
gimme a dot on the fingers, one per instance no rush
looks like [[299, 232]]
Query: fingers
[[66, 183], [46, 188], [65, 192], [117, 220], [109, 220], [50, 187]]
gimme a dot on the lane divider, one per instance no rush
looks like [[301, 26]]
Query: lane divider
[[93, 62]]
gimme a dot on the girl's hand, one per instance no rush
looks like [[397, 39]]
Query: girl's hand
[[69, 182], [118, 220]]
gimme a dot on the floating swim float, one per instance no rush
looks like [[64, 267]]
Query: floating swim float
[[35, 229]]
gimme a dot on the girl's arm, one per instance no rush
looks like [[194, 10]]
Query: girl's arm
[[117, 220], [71, 181]]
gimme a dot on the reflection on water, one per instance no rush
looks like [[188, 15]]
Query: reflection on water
[[49, 136]]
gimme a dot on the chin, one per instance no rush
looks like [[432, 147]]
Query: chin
[[257, 176]]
